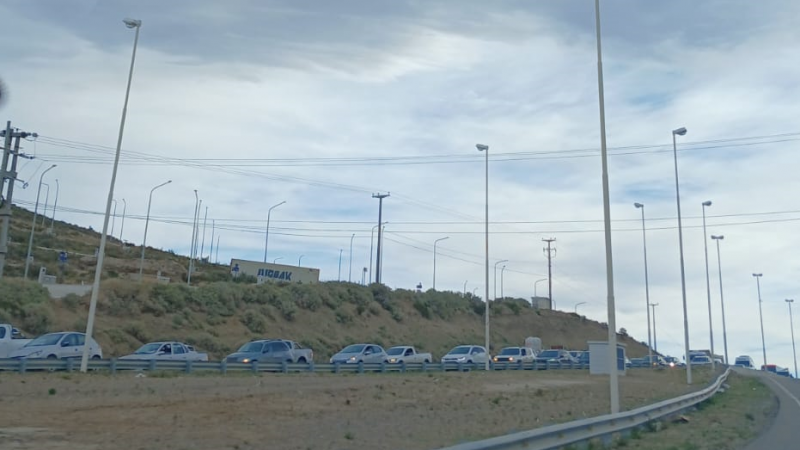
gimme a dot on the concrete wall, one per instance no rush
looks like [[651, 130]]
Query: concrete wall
[[275, 272]]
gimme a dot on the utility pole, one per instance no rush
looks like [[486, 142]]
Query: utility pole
[[380, 198], [655, 342], [216, 258], [550, 252], [203, 245], [211, 249], [7, 198], [122, 226]]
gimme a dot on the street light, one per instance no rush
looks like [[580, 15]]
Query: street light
[[761, 315], [485, 149], [274, 261], [46, 201], [646, 283], [613, 360], [371, 242], [434, 258], [113, 217], [130, 23], [33, 224], [146, 224], [299, 260], [55, 204], [536, 283], [266, 239], [789, 302], [122, 226], [495, 276], [340, 264], [706, 204], [722, 299], [655, 341], [578, 304], [197, 203], [682, 132], [502, 282], [350, 270], [465, 288], [474, 291]]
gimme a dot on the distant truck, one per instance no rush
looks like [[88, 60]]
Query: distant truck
[[271, 351], [407, 355], [10, 340]]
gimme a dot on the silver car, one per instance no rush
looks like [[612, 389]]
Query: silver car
[[58, 346], [364, 353], [467, 354], [166, 351]]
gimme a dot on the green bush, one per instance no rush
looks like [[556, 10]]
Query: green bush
[[422, 307], [206, 342], [254, 322], [15, 294], [71, 302], [137, 331], [343, 317], [37, 318]]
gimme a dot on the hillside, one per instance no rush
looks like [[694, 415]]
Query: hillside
[[219, 317]]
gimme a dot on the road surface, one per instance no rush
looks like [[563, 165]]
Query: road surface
[[784, 432]]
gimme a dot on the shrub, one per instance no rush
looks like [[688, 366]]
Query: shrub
[[18, 293], [206, 342], [343, 317], [136, 330], [37, 318], [254, 322], [422, 307], [71, 302]]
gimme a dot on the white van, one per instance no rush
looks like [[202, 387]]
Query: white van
[[745, 361]]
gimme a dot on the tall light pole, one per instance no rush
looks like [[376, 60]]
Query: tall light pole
[[55, 204], [203, 241], [350, 262], [340, 264], [474, 291], [789, 302], [299, 260], [122, 226], [434, 259], [465, 288], [535, 284], [722, 298], [33, 224], [46, 201], [578, 304], [646, 283], [706, 204], [146, 224], [682, 132], [113, 217], [371, 241], [137, 24], [378, 257], [266, 239], [275, 261], [495, 277], [502, 282], [194, 237], [655, 340], [216, 257], [485, 149], [761, 315], [612, 318]]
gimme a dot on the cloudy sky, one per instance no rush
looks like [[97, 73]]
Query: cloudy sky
[[322, 104]]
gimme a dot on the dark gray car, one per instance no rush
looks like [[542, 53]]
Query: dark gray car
[[270, 351]]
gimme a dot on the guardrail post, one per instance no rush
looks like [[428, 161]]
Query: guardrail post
[[460, 366], [403, 366], [520, 365], [424, 366], [23, 365], [188, 366], [223, 367], [336, 367], [254, 366], [112, 367], [70, 363], [152, 365], [361, 367], [284, 367], [310, 366], [442, 366], [383, 366]]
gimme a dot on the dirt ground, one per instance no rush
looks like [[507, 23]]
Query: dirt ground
[[305, 411]]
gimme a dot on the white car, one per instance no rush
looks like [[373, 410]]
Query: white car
[[10, 340], [58, 346], [701, 360], [407, 355], [166, 351], [466, 354]]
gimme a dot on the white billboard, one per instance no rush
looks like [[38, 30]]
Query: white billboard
[[274, 272]]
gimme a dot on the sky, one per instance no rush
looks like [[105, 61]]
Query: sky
[[322, 104]]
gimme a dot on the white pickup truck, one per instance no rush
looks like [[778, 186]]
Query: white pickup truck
[[10, 340], [408, 355]]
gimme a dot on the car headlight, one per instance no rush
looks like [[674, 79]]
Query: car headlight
[[511, 358], [35, 354], [495, 359], [462, 358], [393, 360], [352, 358], [246, 360]]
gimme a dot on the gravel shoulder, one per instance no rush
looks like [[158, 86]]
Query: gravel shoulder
[[305, 411]]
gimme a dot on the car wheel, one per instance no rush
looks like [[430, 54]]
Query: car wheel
[[427, 361], [96, 357], [302, 361], [52, 357]]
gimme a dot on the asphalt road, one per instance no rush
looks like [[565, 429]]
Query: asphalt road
[[784, 432]]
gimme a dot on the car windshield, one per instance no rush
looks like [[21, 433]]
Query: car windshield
[[252, 347], [510, 351], [356, 348], [148, 349], [463, 350], [549, 354], [47, 339], [395, 351]]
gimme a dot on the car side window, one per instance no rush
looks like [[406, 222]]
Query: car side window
[[69, 341], [80, 339], [408, 352], [278, 347], [474, 351], [377, 349], [178, 349], [167, 349], [368, 349], [2, 333]]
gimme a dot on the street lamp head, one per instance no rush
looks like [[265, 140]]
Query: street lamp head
[[718, 238], [638, 205], [789, 300], [758, 274], [482, 147], [132, 23], [680, 131], [707, 203]]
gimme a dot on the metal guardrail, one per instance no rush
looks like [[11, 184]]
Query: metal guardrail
[[114, 365], [603, 427]]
